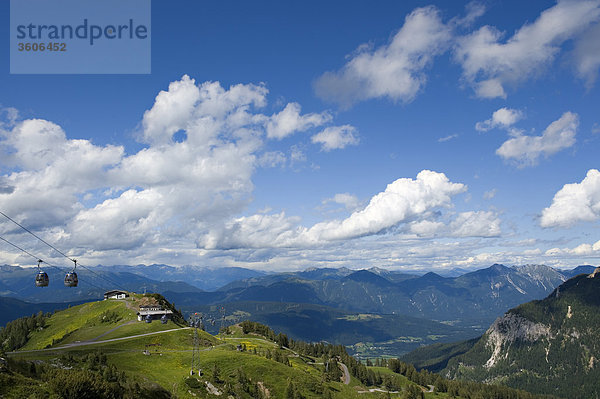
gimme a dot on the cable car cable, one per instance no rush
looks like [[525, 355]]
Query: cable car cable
[[60, 252], [33, 234], [37, 257], [102, 277], [19, 248]]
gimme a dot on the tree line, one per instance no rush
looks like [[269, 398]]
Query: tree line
[[332, 354], [16, 333], [74, 377]]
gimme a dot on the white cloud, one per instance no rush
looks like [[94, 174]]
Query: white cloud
[[9, 117], [51, 172], [207, 113], [289, 121], [272, 159], [576, 202], [476, 224], [403, 201], [171, 112], [503, 118], [580, 250], [349, 201], [587, 55], [336, 137], [426, 228], [490, 64], [394, 70], [488, 195], [297, 155], [447, 138], [126, 221], [526, 150], [474, 10], [101, 202], [256, 231]]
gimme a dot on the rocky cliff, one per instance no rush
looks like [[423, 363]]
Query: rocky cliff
[[550, 346]]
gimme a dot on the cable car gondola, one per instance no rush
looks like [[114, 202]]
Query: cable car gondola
[[164, 319], [41, 279], [148, 318], [71, 277]]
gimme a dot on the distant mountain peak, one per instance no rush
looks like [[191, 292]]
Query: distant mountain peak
[[532, 266], [378, 270], [432, 275], [499, 267], [366, 276]]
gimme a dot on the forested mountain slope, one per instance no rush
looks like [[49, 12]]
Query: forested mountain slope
[[548, 346]]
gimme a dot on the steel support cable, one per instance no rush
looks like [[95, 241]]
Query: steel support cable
[[60, 252], [33, 234], [51, 265]]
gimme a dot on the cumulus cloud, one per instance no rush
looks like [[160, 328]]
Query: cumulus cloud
[[256, 231], [488, 195], [526, 150], [395, 70], [502, 118], [126, 221], [587, 55], [580, 250], [575, 202], [336, 137], [272, 159], [172, 110], [289, 121], [476, 224], [490, 63], [464, 224], [203, 143], [426, 228], [51, 172], [349, 201], [403, 201]]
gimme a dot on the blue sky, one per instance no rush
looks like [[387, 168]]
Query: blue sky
[[283, 136]]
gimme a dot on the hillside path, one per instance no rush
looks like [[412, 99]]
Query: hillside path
[[111, 330], [75, 344], [372, 390], [346, 373]]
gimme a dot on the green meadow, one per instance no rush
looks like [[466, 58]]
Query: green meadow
[[165, 358]]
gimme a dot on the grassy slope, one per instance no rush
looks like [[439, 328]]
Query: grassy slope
[[169, 363], [84, 322]]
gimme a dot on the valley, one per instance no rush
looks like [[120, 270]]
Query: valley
[[99, 349], [373, 312]]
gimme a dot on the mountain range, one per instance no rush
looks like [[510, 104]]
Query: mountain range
[[353, 307], [472, 299]]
